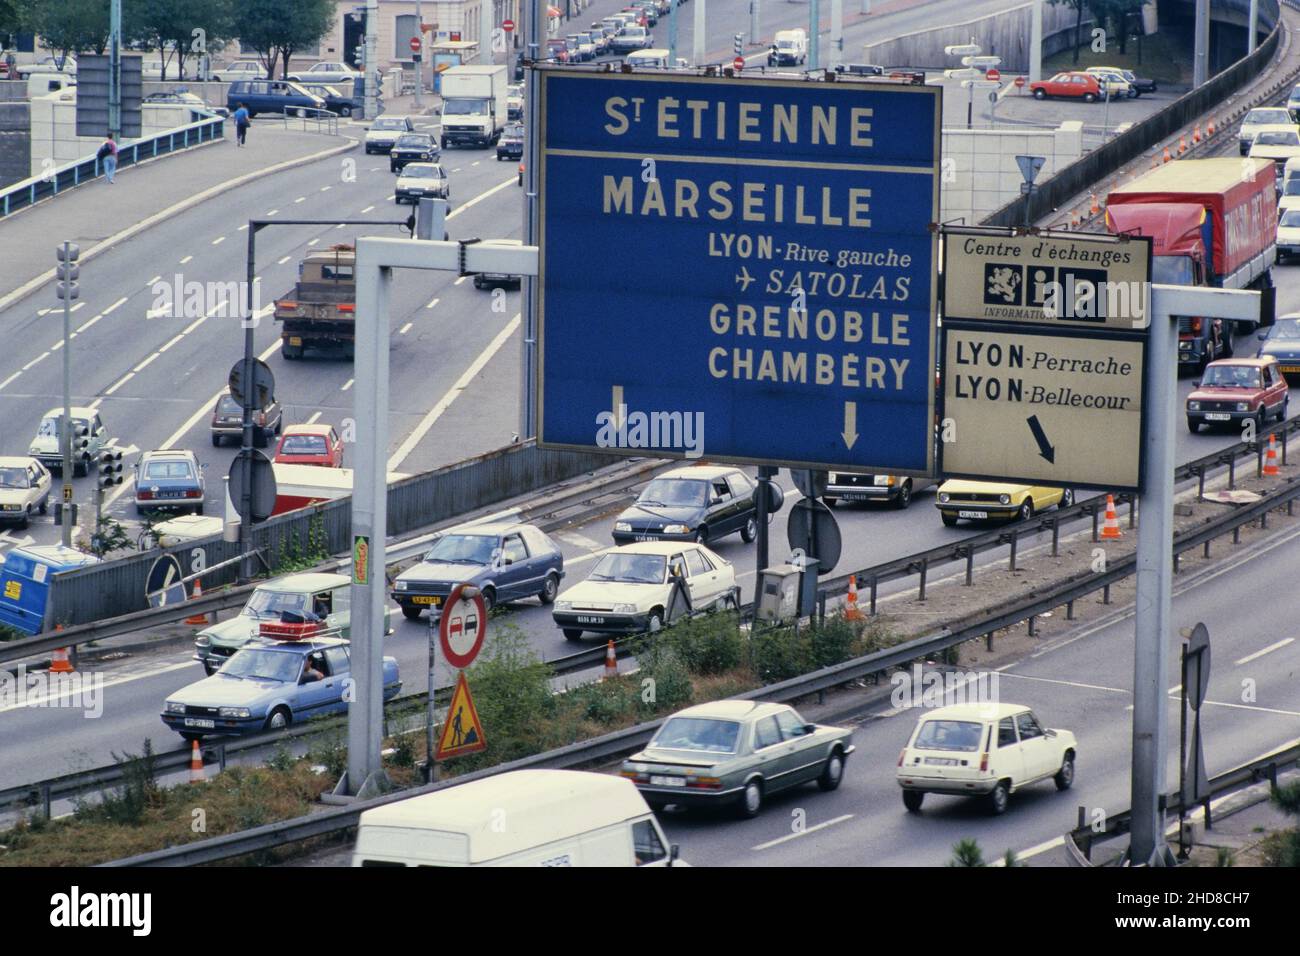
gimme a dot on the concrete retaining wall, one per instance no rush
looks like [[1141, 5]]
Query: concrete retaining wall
[[980, 174], [54, 140], [15, 142]]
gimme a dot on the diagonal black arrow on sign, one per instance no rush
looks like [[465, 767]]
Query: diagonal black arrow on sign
[[1044, 447]]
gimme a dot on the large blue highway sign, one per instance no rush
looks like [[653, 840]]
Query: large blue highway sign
[[739, 269]]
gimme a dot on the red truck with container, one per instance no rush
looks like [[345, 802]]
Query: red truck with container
[[1214, 223]]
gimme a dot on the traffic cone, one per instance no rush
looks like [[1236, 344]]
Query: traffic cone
[[611, 660], [195, 595], [1167, 157], [60, 664], [1095, 207], [1074, 219], [1196, 133], [851, 610], [1270, 458], [196, 764], [1209, 128], [1111, 528], [1182, 144]]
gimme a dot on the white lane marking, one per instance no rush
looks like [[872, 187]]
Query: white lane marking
[[119, 383], [273, 212], [366, 210], [114, 305], [172, 341], [341, 225], [313, 419], [476, 162], [406, 328], [10, 379], [186, 259], [193, 325], [146, 362], [90, 322], [300, 199], [444, 403], [38, 358], [280, 262], [152, 281], [59, 344], [1268, 650], [95, 405], [242, 228], [1066, 683], [79, 305], [460, 280], [375, 169], [41, 701], [347, 385], [326, 189], [44, 311], [579, 540], [389, 199], [219, 240], [313, 242], [432, 303], [457, 169], [801, 833], [480, 197], [155, 313]]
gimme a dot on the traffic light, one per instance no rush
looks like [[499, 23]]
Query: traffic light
[[67, 271], [360, 54], [738, 44], [110, 468]]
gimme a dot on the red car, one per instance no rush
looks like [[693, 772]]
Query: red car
[[1237, 389], [1074, 85], [310, 445]]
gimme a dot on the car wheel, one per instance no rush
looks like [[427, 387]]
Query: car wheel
[[1133, 94], [278, 719], [655, 623], [1065, 776], [750, 531], [912, 799], [1261, 421], [199, 510], [751, 800], [45, 502], [410, 612], [216, 441], [27, 517], [904, 496], [1026, 510], [949, 520], [829, 502], [345, 111], [1089, 98], [833, 772], [571, 633], [1281, 417], [489, 598], [702, 535], [549, 589], [392, 167], [1067, 499], [1040, 94], [999, 798], [1193, 425]]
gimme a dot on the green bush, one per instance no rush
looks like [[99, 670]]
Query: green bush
[[779, 653], [330, 751], [665, 681], [512, 694], [604, 702], [403, 754], [138, 790], [966, 853], [833, 641], [708, 644]]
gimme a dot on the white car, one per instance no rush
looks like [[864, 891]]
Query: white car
[[1258, 118], [385, 131], [24, 487], [628, 590], [1275, 142], [1288, 235], [49, 64], [982, 749], [1113, 83], [418, 180], [240, 70], [327, 73]]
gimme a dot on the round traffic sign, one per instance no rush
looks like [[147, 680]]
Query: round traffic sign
[[993, 74], [164, 585], [415, 44], [738, 63], [1020, 82], [507, 25], [462, 627]]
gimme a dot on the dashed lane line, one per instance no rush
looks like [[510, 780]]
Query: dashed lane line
[[1268, 650], [801, 833]]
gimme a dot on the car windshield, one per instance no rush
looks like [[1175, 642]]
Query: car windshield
[[1262, 117], [463, 549], [158, 470], [422, 172], [382, 123], [630, 568], [1285, 329], [270, 605], [675, 491], [1278, 138], [1231, 376], [1291, 187], [1290, 219], [13, 478], [515, 132], [228, 406], [414, 139], [303, 445], [1173, 270], [466, 107], [949, 735], [263, 665], [49, 427], [698, 733]]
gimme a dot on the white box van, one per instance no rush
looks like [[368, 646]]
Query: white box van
[[522, 818], [43, 84], [652, 60], [789, 48]]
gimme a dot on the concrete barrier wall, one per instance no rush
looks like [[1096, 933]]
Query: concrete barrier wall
[[54, 129], [980, 174], [15, 142]]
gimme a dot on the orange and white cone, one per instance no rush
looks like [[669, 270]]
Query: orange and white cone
[[1074, 219], [1209, 129], [1094, 207], [851, 610], [1111, 528], [195, 595], [1182, 144], [611, 661], [59, 663], [196, 764], [1166, 157], [1196, 133], [1270, 458]]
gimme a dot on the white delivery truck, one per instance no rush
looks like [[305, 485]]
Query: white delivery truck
[[522, 818], [789, 48], [652, 60], [474, 108]]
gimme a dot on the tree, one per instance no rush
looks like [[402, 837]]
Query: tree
[[1286, 851], [966, 853], [276, 30], [11, 21], [1113, 15], [1077, 6], [70, 26], [180, 28]]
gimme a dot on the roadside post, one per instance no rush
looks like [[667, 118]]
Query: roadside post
[[814, 34], [67, 289], [461, 629]]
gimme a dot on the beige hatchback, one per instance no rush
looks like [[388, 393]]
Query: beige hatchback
[[24, 488]]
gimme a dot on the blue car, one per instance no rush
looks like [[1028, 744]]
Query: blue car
[[336, 101], [270, 684], [1282, 341], [280, 97], [507, 561], [169, 480]]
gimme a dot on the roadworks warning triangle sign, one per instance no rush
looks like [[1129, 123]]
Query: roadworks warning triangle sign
[[462, 733]]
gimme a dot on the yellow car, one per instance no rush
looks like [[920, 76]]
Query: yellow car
[[996, 500], [24, 487]]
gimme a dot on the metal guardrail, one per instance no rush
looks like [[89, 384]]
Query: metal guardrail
[[629, 739], [1079, 841], [29, 192], [316, 120]]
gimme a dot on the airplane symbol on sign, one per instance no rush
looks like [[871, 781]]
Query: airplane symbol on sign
[[744, 279]]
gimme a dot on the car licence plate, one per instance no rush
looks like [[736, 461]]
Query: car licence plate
[[668, 781], [941, 761], [972, 514], [200, 722], [1289, 369], [295, 340], [1217, 417], [646, 537], [425, 599], [583, 619]]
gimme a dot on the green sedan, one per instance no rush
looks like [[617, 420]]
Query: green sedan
[[736, 752]]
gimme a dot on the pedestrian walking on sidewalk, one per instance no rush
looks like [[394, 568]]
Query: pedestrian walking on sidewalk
[[108, 156], [241, 124]]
